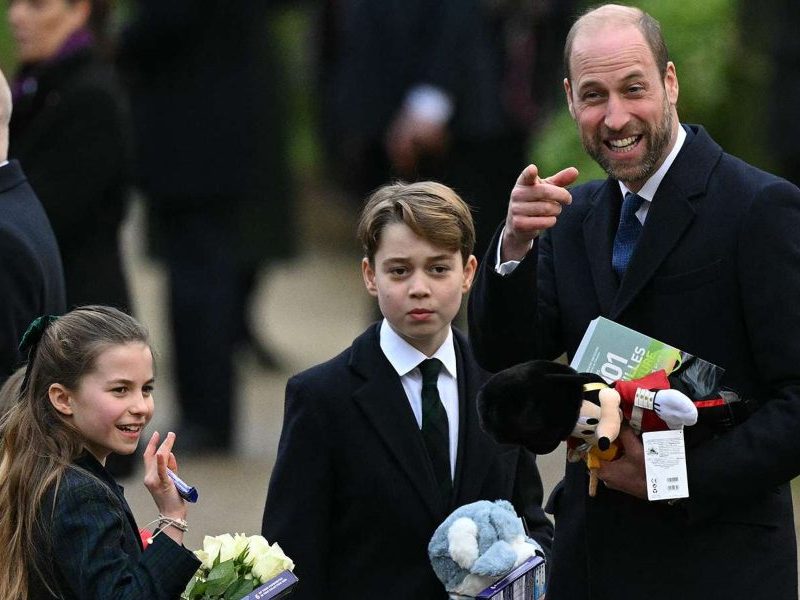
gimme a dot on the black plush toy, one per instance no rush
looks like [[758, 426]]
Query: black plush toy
[[539, 404]]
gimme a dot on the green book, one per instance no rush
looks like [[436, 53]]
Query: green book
[[616, 352]]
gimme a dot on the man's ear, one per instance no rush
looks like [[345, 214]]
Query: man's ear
[[369, 276], [60, 398], [568, 92], [671, 83]]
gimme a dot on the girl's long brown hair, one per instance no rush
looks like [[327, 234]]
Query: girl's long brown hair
[[37, 443]]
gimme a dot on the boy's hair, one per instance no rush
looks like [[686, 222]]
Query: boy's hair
[[37, 443], [431, 210]]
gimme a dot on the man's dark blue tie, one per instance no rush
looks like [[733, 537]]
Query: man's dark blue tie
[[627, 233], [435, 429]]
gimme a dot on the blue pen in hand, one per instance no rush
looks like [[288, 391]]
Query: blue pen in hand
[[185, 491]]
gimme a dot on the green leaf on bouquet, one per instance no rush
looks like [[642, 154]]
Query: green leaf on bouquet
[[240, 589], [220, 578], [193, 590]]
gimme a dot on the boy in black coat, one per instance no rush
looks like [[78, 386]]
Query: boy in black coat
[[367, 466]]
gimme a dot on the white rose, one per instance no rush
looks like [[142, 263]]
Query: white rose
[[257, 546], [270, 564], [211, 545], [204, 558], [240, 544], [227, 548]]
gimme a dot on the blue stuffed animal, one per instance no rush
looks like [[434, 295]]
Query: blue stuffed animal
[[478, 544]]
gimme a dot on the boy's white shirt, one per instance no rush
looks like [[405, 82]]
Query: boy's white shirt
[[405, 359]]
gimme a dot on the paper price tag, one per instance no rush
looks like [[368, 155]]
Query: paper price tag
[[665, 465]]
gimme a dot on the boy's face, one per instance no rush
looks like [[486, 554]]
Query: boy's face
[[418, 286]]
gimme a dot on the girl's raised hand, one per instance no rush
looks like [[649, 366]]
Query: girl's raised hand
[[156, 461]]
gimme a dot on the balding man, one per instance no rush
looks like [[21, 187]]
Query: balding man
[[691, 246], [31, 277]]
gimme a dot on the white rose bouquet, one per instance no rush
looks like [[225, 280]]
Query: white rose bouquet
[[236, 565]]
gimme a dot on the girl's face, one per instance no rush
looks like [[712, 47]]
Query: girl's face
[[40, 27], [114, 402]]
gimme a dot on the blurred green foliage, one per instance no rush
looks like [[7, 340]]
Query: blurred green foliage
[[293, 30]]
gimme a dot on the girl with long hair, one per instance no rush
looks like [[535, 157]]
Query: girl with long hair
[[65, 527]]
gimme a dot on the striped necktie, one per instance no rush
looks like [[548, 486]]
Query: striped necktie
[[435, 428]]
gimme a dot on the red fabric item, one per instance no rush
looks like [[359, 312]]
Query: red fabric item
[[709, 403], [145, 535], [627, 391]]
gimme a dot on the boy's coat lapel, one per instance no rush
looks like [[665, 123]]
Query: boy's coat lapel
[[383, 401], [473, 445]]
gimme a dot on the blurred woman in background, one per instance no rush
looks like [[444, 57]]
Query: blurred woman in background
[[69, 130]]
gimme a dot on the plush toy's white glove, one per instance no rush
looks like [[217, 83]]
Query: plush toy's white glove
[[675, 408]]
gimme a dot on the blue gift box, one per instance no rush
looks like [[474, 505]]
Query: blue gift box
[[279, 586]]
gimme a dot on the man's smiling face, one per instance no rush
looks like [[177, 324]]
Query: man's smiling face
[[624, 109]]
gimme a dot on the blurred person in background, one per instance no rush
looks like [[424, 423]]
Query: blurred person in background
[[31, 277], [211, 161], [69, 130], [449, 90]]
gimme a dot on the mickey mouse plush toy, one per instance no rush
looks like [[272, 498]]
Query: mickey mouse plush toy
[[538, 404]]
